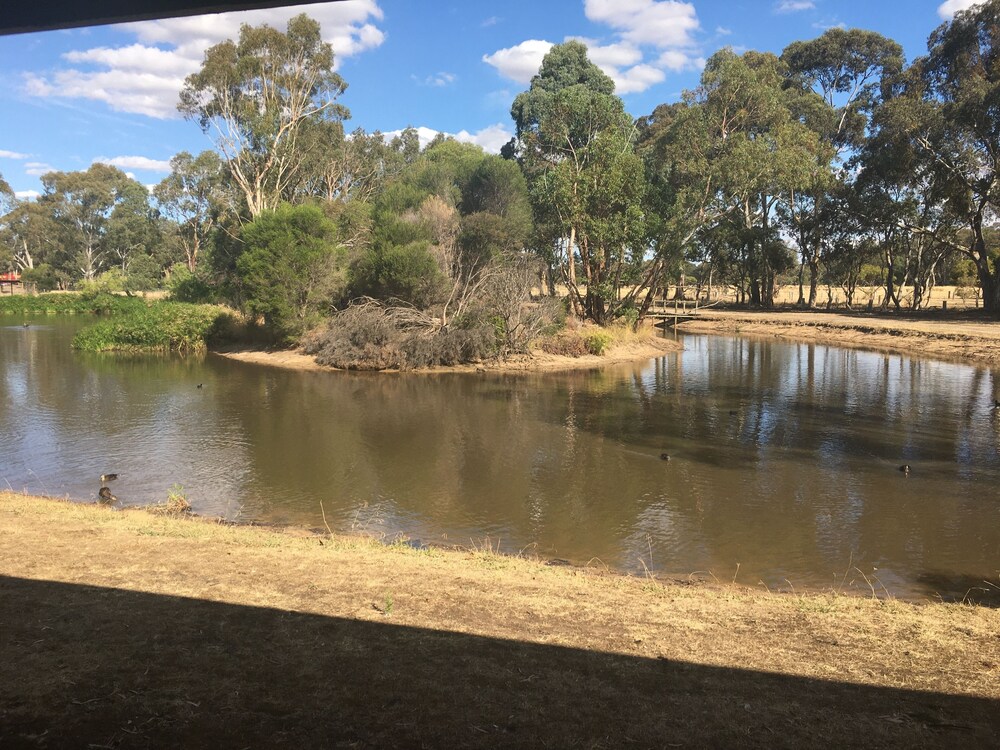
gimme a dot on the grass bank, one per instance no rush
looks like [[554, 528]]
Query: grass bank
[[161, 327], [963, 337], [68, 303], [127, 629]]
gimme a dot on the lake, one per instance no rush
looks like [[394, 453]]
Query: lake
[[783, 471]]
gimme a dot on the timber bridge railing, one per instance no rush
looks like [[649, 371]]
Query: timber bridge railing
[[673, 311]]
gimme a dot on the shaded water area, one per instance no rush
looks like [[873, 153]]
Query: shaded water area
[[784, 462]]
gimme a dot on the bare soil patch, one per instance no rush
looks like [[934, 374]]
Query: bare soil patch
[[127, 629], [964, 337]]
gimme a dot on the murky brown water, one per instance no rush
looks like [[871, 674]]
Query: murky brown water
[[784, 457]]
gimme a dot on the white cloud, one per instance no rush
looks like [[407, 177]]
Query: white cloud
[[26, 195], [521, 62], [438, 80], [668, 26], [490, 138], [667, 23], [4, 154], [723, 31], [620, 54], [793, 6], [638, 78], [146, 77], [949, 8], [491, 21], [677, 61], [38, 168], [135, 162]]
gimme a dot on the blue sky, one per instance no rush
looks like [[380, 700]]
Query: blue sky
[[73, 97]]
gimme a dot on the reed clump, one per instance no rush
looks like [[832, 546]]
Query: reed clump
[[162, 327]]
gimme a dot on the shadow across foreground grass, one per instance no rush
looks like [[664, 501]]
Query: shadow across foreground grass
[[85, 665]]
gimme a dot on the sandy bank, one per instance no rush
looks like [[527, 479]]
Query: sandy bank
[[959, 339], [124, 629], [634, 351]]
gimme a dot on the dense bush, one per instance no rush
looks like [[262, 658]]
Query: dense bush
[[185, 286], [67, 303], [405, 272], [165, 326], [373, 337], [289, 269]]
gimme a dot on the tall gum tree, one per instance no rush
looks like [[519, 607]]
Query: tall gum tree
[[82, 205], [576, 144], [757, 154], [192, 196], [949, 113], [253, 97], [845, 69]]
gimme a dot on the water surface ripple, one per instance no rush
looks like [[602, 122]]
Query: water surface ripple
[[784, 457]]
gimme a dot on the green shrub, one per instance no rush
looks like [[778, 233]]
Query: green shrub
[[289, 269], [185, 286], [41, 278], [165, 326], [68, 303], [597, 342]]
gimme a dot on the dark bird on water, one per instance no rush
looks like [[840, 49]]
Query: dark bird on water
[[905, 468], [108, 478], [665, 456], [105, 497], [200, 385]]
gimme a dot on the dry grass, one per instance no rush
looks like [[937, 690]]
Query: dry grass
[[966, 338], [126, 629]]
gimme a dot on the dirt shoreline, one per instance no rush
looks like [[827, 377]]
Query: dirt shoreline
[[538, 361], [959, 338], [128, 629]]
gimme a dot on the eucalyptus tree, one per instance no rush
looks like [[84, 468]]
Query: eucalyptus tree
[[30, 235], [193, 196], [839, 77], [254, 97], [948, 113], [758, 154], [7, 197], [83, 206], [576, 144]]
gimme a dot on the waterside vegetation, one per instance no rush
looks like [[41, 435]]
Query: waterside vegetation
[[834, 163]]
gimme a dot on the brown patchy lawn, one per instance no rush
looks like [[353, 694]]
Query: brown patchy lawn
[[130, 630]]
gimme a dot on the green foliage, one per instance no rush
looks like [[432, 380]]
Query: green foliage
[[597, 342], [41, 278], [109, 282], [68, 303], [254, 95], [289, 269], [405, 272], [162, 327], [185, 286]]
